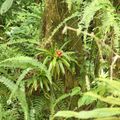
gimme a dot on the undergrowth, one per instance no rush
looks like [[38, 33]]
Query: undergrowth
[[33, 79]]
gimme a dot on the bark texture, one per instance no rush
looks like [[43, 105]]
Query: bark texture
[[55, 12]]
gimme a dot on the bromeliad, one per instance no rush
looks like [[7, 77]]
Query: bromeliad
[[59, 53]]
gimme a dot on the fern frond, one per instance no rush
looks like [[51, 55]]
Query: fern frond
[[108, 17], [20, 94], [21, 77], [41, 107], [25, 62], [90, 11], [20, 62], [111, 20]]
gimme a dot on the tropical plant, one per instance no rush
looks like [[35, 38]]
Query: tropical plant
[[58, 60], [106, 92]]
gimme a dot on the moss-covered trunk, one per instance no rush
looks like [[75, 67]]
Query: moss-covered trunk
[[55, 12]]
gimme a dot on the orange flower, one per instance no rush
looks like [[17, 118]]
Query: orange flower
[[59, 53]]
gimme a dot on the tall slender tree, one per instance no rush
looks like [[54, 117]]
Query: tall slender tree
[[55, 12]]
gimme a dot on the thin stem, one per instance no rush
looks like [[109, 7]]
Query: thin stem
[[97, 40], [112, 65]]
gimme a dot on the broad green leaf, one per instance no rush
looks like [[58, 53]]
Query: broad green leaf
[[48, 75], [66, 56], [45, 60], [85, 100], [6, 6], [54, 62], [75, 91], [35, 85], [46, 85], [62, 67], [109, 99], [50, 67], [58, 69], [112, 83], [97, 113], [41, 84], [70, 53], [45, 51], [60, 99], [65, 63]]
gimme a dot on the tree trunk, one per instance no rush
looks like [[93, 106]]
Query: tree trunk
[[55, 12]]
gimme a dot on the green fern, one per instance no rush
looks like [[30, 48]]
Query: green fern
[[41, 106], [22, 62], [21, 77], [11, 111], [20, 94], [109, 19], [25, 62], [90, 11]]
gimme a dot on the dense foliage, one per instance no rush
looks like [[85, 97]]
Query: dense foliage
[[78, 78]]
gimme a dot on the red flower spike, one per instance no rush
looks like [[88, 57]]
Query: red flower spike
[[59, 53]]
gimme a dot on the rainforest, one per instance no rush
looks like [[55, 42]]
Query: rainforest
[[59, 59]]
